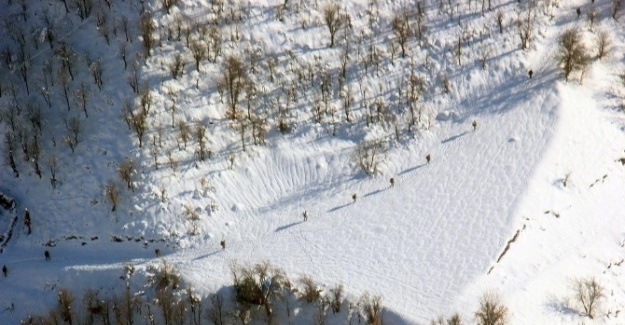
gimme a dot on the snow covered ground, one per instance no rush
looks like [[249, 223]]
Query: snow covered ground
[[430, 245]]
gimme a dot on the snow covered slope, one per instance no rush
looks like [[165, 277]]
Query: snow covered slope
[[430, 245]]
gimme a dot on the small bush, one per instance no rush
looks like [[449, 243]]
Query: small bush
[[372, 308], [337, 294], [492, 311], [163, 277], [112, 195], [66, 299], [368, 156], [126, 170], [259, 285], [311, 292], [453, 320]]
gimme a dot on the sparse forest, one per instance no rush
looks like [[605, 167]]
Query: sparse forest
[[182, 125]]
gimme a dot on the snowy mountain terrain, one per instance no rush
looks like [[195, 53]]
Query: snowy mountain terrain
[[216, 132]]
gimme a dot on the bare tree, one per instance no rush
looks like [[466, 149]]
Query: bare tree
[[23, 66], [233, 81], [96, 71], [10, 146], [147, 27], [10, 114], [458, 50], [420, 22], [85, 7], [74, 129], [193, 217], [525, 30], [53, 163], [126, 27], [372, 308], [416, 88], [202, 150], [333, 20], [126, 170], [199, 53], [176, 66], [491, 311], [139, 124], [133, 78], [35, 153], [184, 132], [214, 35], [603, 44], [500, 19], [82, 95], [64, 80], [572, 54], [145, 99], [123, 51], [402, 30], [484, 58], [588, 294], [111, 192], [68, 58], [368, 156]]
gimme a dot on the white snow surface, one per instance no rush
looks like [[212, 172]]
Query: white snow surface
[[429, 245]]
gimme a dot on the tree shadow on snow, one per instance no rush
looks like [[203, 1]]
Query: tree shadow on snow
[[561, 306]]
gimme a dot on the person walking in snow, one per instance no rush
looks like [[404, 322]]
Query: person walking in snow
[[27, 221]]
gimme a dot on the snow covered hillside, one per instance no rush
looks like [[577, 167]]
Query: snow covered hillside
[[428, 152]]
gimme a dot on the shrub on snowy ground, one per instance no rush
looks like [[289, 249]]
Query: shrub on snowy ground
[[603, 44], [310, 292], [147, 28], [259, 285], [126, 170], [112, 195], [453, 320], [176, 66], [491, 311], [588, 294], [369, 155], [525, 27], [337, 295], [74, 129], [372, 309], [164, 276], [65, 309]]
